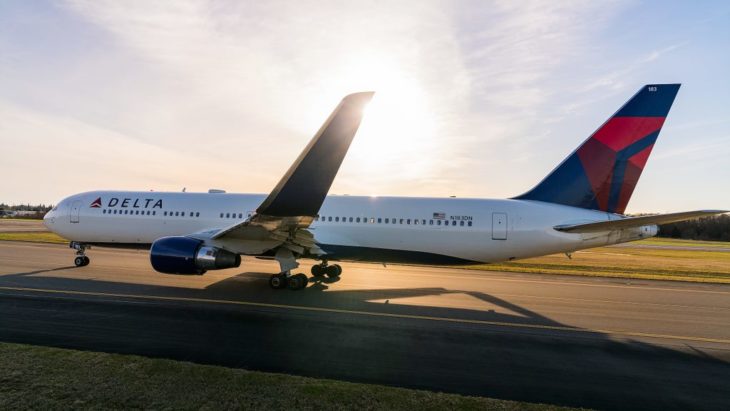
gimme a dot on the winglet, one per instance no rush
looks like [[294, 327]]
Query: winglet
[[304, 187]]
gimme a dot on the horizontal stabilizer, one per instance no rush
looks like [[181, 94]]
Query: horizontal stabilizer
[[632, 222]]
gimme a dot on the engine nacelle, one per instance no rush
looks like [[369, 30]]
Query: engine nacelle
[[184, 255]]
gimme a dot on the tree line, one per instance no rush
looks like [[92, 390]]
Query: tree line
[[715, 228], [28, 211]]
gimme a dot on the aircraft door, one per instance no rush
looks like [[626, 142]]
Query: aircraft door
[[75, 211], [499, 226]]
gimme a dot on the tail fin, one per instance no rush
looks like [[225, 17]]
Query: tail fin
[[602, 173]]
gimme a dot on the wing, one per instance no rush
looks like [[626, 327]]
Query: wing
[[286, 213], [631, 222]]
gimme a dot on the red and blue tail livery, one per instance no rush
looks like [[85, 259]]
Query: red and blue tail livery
[[602, 173]]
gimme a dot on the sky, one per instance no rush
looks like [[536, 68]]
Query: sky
[[473, 98]]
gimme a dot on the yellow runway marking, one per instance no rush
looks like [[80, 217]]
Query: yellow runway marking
[[373, 314]]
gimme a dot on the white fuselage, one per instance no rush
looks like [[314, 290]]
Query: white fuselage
[[433, 230]]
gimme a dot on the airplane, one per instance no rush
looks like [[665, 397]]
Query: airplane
[[579, 205]]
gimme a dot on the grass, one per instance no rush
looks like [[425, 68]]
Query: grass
[[33, 236], [683, 243], [52, 378], [631, 262]]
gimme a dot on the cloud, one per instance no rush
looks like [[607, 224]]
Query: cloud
[[229, 92]]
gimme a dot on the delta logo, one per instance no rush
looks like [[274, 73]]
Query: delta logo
[[96, 203]]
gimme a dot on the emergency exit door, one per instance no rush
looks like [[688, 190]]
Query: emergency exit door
[[75, 211], [499, 226]]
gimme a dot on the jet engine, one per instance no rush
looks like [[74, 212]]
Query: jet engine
[[185, 255]]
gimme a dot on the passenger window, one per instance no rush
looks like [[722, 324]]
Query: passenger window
[[228, 215], [372, 220], [408, 221], [154, 213], [438, 222], [329, 219], [415, 221], [453, 222], [430, 222], [387, 221], [461, 223], [197, 213], [351, 219], [401, 221], [337, 219], [357, 220], [380, 220], [393, 220], [423, 221], [469, 223]]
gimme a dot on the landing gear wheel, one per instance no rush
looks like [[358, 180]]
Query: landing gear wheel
[[277, 281], [318, 270], [334, 271], [297, 282], [80, 261], [86, 260]]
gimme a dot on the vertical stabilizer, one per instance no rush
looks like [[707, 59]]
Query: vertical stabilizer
[[602, 173]]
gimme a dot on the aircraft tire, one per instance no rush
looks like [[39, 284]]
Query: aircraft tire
[[278, 281], [297, 282], [318, 270], [334, 271], [80, 261]]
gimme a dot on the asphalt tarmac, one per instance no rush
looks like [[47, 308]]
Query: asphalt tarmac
[[590, 342]]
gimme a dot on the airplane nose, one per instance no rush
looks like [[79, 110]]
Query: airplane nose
[[49, 219]]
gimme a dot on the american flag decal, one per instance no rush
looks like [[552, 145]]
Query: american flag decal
[[439, 216]]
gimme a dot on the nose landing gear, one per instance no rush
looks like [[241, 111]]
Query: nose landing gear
[[81, 259]]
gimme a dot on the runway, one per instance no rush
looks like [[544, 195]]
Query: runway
[[590, 342]]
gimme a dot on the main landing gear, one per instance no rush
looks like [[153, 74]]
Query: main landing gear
[[286, 280], [288, 262], [81, 258], [322, 269]]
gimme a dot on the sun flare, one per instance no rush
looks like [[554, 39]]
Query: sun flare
[[398, 120]]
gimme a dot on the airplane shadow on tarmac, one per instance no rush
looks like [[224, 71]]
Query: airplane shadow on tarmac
[[355, 335]]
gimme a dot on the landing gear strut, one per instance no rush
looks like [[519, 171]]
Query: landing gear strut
[[81, 258], [322, 269]]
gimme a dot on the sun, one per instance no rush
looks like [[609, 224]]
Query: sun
[[398, 121]]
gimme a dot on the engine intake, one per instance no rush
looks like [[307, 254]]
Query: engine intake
[[184, 255]]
